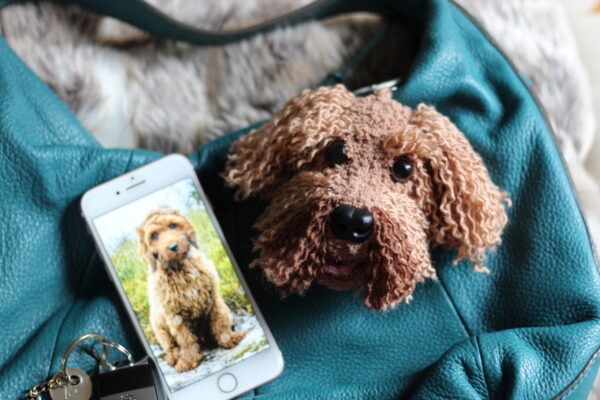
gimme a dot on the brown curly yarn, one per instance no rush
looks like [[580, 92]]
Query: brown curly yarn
[[449, 199], [466, 208], [289, 140]]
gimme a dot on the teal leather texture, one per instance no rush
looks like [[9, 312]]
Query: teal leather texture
[[529, 330]]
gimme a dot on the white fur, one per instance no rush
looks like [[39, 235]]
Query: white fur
[[110, 121]]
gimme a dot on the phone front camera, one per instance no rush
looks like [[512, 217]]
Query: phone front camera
[[118, 193]]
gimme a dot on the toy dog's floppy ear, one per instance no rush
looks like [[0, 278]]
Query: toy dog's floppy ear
[[291, 139], [466, 209]]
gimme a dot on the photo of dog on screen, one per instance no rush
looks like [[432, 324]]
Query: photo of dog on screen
[[181, 284], [186, 306]]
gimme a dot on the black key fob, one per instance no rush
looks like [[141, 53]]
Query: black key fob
[[127, 383]]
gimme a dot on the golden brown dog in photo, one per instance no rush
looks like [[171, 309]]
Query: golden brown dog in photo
[[186, 307], [359, 189]]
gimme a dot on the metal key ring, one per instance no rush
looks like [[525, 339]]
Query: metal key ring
[[73, 346], [104, 360]]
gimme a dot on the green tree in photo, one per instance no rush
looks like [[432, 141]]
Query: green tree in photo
[[210, 244], [133, 273]]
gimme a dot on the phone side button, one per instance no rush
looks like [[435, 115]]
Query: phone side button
[[227, 383]]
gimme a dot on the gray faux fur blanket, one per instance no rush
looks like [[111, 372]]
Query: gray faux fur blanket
[[132, 90]]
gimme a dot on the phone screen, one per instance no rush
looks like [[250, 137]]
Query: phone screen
[[181, 284]]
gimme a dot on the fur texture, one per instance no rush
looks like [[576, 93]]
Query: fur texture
[[448, 200], [186, 307], [133, 90]]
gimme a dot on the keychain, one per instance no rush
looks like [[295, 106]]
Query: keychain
[[69, 383], [123, 380], [128, 382], [132, 382]]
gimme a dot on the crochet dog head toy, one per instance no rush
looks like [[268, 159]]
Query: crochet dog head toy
[[359, 189]]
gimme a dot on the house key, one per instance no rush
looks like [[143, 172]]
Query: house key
[[68, 383], [78, 388]]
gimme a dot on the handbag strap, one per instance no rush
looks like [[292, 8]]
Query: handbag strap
[[148, 18]]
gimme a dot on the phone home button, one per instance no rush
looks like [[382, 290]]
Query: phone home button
[[227, 383]]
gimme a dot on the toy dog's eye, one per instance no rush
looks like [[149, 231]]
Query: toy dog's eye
[[335, 152], [172, 226], [154, 236], [402, 168]]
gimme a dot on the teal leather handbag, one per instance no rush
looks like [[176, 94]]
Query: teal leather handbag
[[530, 330]]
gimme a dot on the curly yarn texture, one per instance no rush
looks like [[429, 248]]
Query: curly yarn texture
[[448, 200]]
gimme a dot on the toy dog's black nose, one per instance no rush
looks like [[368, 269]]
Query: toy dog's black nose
[[173, 247], [351, 223]]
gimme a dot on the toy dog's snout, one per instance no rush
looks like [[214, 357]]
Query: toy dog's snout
[[351, 223]]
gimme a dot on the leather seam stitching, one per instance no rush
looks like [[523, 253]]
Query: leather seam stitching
[[579, 378], [479, 352], [455, 308]]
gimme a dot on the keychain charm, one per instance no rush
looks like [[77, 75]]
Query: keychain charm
[[127, 382], [68, 383], [72, 383], [79, 386], [135, 382]]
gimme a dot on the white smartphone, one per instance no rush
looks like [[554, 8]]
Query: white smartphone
[[191, 308]]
